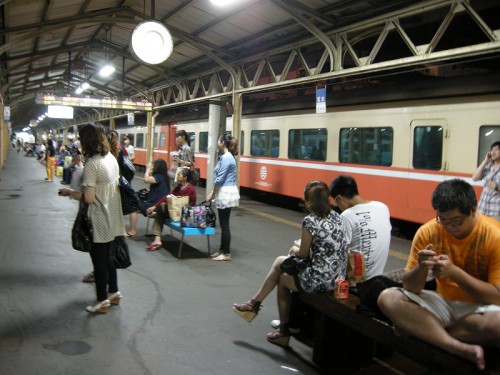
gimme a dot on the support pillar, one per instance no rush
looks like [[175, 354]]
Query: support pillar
[[112, 124], [237, 113]]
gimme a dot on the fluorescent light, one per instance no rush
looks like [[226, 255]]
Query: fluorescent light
[[78, 91], [60, 111], [85, 85], [107, 70]]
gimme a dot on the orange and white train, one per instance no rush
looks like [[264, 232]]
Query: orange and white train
[[398, 152]]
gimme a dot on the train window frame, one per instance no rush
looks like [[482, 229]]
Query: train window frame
[[433, 149], [301, 147], [163, 138], [382, 147], [192, 140], [486, 139], [203, 142], [139, 140], [270, 140]]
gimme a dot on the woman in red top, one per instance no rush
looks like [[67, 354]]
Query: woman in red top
[[183, 189]]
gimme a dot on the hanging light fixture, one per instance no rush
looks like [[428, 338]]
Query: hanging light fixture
[[151, 41], [108, 68]]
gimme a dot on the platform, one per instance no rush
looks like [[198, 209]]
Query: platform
[[175, 316]]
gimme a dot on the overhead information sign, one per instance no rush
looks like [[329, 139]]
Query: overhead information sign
[[87, 101]]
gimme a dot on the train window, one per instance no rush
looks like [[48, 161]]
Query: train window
[[427, 147], [155, 141], [372, 146], [163, 136], [307, 144], [265, 143], [139, 142], [203, 142], [488, 134], [192, 139]]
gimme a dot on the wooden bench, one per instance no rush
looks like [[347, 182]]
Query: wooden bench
[[186, 231], [346, 340]]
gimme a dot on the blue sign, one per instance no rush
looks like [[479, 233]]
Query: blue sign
[[320, 99]]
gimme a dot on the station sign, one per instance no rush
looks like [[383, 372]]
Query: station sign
[[94, 102]]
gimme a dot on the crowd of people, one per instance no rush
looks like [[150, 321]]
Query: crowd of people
[[459, 247]]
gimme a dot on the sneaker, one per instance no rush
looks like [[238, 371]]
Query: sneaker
[[276, 325], [222, 257]]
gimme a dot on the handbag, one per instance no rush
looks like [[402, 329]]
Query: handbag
[[128, 168], [210, 217], [119, 253], [175, 205], [292, 265], [129, 198], [143, 194], [194, 216], [81, 233]]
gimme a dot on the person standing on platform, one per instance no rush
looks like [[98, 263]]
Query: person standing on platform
[[461, 248], [48, 158], [101, 193], [489, 171], [367, 224], [225, 192], [129, 147]]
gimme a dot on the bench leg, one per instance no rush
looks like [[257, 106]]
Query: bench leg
[[180, 246], [208, 243]]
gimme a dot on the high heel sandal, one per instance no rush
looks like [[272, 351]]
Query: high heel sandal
[[99, 307], [280, 337], [247, 311], [114, 298]]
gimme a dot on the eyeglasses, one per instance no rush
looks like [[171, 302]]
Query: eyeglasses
[[455, 222]]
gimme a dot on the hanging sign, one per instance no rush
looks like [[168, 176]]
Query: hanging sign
[[6, 113], [320, 99], [130, 118]]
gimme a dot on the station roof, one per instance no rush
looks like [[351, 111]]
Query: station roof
[[53, 46]]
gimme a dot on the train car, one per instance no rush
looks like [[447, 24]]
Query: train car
[[398, 152]]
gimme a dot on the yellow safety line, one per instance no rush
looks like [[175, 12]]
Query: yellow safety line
[[392, 253], [271, 217]]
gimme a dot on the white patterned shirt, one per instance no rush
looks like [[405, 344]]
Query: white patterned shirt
[[102, 173]]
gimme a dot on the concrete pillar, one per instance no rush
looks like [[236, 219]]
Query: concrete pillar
[[214, 130], [3, 147]]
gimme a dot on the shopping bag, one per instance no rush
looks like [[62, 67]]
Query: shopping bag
[[59, 171], [194, 216], [175, 205], [356, 270]]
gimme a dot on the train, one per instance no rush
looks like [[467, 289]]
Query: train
[[397, 151]]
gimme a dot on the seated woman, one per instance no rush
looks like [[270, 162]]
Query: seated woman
[[183, 189], [325, 249], [156, 175]]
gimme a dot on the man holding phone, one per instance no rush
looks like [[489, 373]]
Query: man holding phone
[[488, 171]]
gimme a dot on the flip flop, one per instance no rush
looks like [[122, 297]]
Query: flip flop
[[153, 247], [130, 235]]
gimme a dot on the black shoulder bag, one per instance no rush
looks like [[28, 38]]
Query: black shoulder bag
[[81, 234]]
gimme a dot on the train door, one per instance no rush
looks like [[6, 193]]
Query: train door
[[428, 163]]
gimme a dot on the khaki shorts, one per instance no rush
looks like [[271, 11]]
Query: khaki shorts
[[447, 311]]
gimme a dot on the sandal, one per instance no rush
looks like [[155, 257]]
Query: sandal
[[89, 278], [215, 255], [247, 311], [222, 257], [280, 337], [154, 246]]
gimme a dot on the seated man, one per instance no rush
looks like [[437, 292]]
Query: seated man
[[367, 224], [461, 248]]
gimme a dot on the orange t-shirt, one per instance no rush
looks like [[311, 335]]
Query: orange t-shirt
[[478, 254]]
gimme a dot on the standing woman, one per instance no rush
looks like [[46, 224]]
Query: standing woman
[[101, 192], [50, 153], [225, 192], [185, 156]]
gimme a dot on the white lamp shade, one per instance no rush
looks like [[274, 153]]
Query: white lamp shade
[[151, 42]]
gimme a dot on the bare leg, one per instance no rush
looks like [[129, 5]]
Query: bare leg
[[285, 286], [477, 328], [270, 281], [133, 224], [421, 323], [157, 241]]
